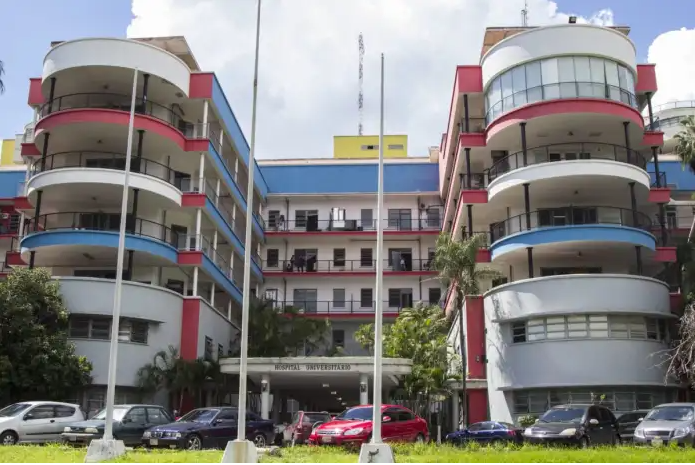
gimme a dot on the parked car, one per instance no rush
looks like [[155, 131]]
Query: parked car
[[303, 423], [575, 424], [667, 423], [487, 432], [36, 422], [129, 423], [208, 428], [627, 422], [354, 426]]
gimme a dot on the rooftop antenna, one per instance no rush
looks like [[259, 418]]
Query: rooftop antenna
[[360, 96], [524, 15]]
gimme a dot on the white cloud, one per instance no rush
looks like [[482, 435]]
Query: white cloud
[[308, 60], [674, 55]]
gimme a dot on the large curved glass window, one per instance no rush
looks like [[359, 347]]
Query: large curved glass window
[[559, 78], [616, 398]]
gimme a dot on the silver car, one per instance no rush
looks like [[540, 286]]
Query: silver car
[[36, 422], [667, 423]]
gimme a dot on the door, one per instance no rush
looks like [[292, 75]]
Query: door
[[473, 432], [183, 182], [389, 428], [39, 424], [64, 416], [406, 425], [607, 422], [596, 432], [400, 219], [305, 299], [401, 259], [133, 425], [224, 428], [178, 236]]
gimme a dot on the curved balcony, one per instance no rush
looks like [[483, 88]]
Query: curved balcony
[[68, 175], [109, 101], [67, 61], [570, 225]]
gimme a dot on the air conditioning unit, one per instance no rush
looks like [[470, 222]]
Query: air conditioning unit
[[5, 216]]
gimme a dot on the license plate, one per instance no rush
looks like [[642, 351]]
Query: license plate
[[657, 442], [72, 438], [326, 439], [154, 442]]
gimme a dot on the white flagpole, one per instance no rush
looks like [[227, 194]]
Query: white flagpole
[[113, 352], [243, 359], [379, 313]]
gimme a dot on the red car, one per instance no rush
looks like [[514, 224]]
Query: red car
[[354, 427]]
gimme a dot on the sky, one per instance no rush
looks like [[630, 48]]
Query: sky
[[308, 82]]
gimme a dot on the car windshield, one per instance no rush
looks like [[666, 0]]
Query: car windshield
[[14, 409], [118, 414], [670, 413], [203, 415], [562, 415], [357, 413]]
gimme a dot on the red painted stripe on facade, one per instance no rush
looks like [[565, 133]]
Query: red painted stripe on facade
[[30, 150], [35, 93], [665, 255], [475, 336], [659, 195], [201, 85], [190, 258], [646, 79], [477, 405], [554, 107], [190, 325], [22, 203], [653, 139], [193, 200]]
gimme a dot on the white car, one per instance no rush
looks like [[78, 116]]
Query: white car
[[36, 422]]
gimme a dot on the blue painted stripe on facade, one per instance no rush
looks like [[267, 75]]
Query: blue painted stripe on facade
[[9, 183], [220, 278], [351, 178], [225, 110], [682, 179], [573, 233], [229, 232], [229, 179], [99, 239]]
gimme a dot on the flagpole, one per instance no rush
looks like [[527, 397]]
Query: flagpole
[[113, 352], [379, 313], [246, 299]]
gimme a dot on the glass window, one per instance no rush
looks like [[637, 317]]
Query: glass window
[[63, 411], [41, 412], [137, 415], [577, 326], [519, 85], [157, 416], [555, 327]]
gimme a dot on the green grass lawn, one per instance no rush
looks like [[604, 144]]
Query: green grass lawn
[[404, 454]]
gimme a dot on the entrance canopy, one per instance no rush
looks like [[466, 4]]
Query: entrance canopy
[[323, 383]]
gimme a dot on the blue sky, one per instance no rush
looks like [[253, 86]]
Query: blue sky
[[29, 26]]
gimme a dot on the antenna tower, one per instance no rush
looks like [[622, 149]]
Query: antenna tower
[[360, 96], [524, 15]]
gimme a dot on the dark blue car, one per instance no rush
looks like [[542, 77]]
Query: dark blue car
[[208, 428], [487, 432]]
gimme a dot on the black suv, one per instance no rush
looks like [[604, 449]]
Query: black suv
[[627, 422], [575, 424]]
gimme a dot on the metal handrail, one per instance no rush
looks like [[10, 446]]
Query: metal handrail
[[78, 160], [333, 306], [607, 88], [584, 216], [673, 105], [516, 160], [344, 266], [406, 224]]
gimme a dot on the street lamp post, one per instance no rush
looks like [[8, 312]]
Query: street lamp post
[[107, 447], [242, 450], [376, 451]]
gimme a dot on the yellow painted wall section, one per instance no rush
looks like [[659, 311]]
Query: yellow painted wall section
[[7, 158], [368, 147]]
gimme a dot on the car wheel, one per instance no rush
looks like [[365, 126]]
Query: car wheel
[[8, 438], [194, 442], [259, 440], [419, 439], [583, 442]]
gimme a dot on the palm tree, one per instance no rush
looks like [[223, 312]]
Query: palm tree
[[2, 71], [455, 262], [685, 143]]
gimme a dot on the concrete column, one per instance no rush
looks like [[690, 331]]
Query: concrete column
[[195, 281], [231, 262], [364, 389], [221, 140], [212, 295], [185, 286], [265, 397], [236, 169], [198, 226], [277, 406], [217, 193], [229, 310], [455, 411], [201, 174], [214, 240], [205, 119], [155, 276]]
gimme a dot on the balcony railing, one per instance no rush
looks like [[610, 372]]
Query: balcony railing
[[674, 105], [554, 153], [344, 266], [570, 216], [195, 243], [104, 160], [405, 224], [662, 179], [337, 307]]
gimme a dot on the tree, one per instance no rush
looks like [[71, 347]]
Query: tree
[[685, 143], [37, 362], [273, 333], [168, 371], [455, 261], [418, 334]]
